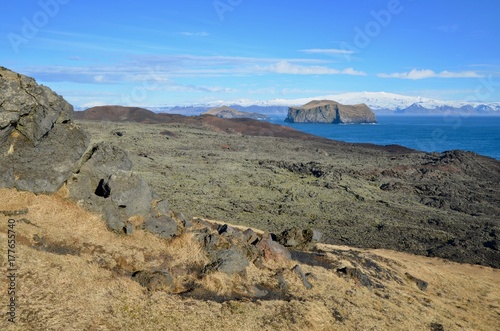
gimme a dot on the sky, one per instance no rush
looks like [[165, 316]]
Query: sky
[[152, 53]]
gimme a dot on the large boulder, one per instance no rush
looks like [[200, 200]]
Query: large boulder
[[29, 108], [39, 145], [105, 184], [41, 150], [331, 112]]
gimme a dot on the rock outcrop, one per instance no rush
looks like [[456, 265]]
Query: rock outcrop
[[42, 150], [326, 111], [105, 184], [39, 144], [228, 112]]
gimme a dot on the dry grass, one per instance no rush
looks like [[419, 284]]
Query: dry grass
[[81, 282]]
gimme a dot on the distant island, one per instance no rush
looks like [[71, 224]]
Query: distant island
[[228, 112], [327, 111]]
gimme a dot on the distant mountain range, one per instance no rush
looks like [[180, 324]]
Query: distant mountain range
[[379, 102]]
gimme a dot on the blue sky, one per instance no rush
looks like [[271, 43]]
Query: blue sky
[[192, 51]]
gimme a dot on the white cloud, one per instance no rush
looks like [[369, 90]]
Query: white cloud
[[416, 74], [327, 51], [285, 67]]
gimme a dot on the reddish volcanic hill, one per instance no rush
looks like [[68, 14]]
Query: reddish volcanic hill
[[116, 113], [240, 125]]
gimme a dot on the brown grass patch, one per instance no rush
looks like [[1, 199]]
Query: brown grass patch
[[92, 289]]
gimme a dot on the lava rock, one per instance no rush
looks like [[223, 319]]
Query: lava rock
[[39, 144]]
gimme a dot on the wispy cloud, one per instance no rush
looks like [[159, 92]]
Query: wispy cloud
[[416, 74], [285, 67], [165, 68], [330, 51], [195, 34]]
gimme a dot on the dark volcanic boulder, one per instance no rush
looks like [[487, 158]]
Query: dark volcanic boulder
[[105, 184], [29, 108], [327, 111], [41, 150], [40, 147]]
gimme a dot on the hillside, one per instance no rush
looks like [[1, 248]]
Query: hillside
[[76, 276]]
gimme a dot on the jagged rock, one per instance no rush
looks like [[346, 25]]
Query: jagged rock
[[29, 108], [272, 250], [229, 261], [207, 239], [164, 226], [295, 237], [224, 228], [104, 159], [40, 147], [154, 280], [131, 193], [230, 232], [357, 275], [282, 284], [298, 271], [327, 111], [161, 208], [105, 184], [251, 237]]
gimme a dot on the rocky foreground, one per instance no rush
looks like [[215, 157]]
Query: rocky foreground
[[75, 274], [94, 243]]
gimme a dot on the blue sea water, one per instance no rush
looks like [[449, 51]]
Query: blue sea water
[[479, 134]]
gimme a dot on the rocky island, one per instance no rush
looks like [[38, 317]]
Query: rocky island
[[327, 111], [228, 112]]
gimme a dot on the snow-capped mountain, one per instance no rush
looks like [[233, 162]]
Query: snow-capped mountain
[[379, 102]]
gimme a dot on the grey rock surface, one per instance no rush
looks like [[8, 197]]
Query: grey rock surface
[[40, 147], [29, 108], [164, 226], [105, 184], [230, 261]]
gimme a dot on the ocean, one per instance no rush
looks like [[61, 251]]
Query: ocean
[[479, 134]]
